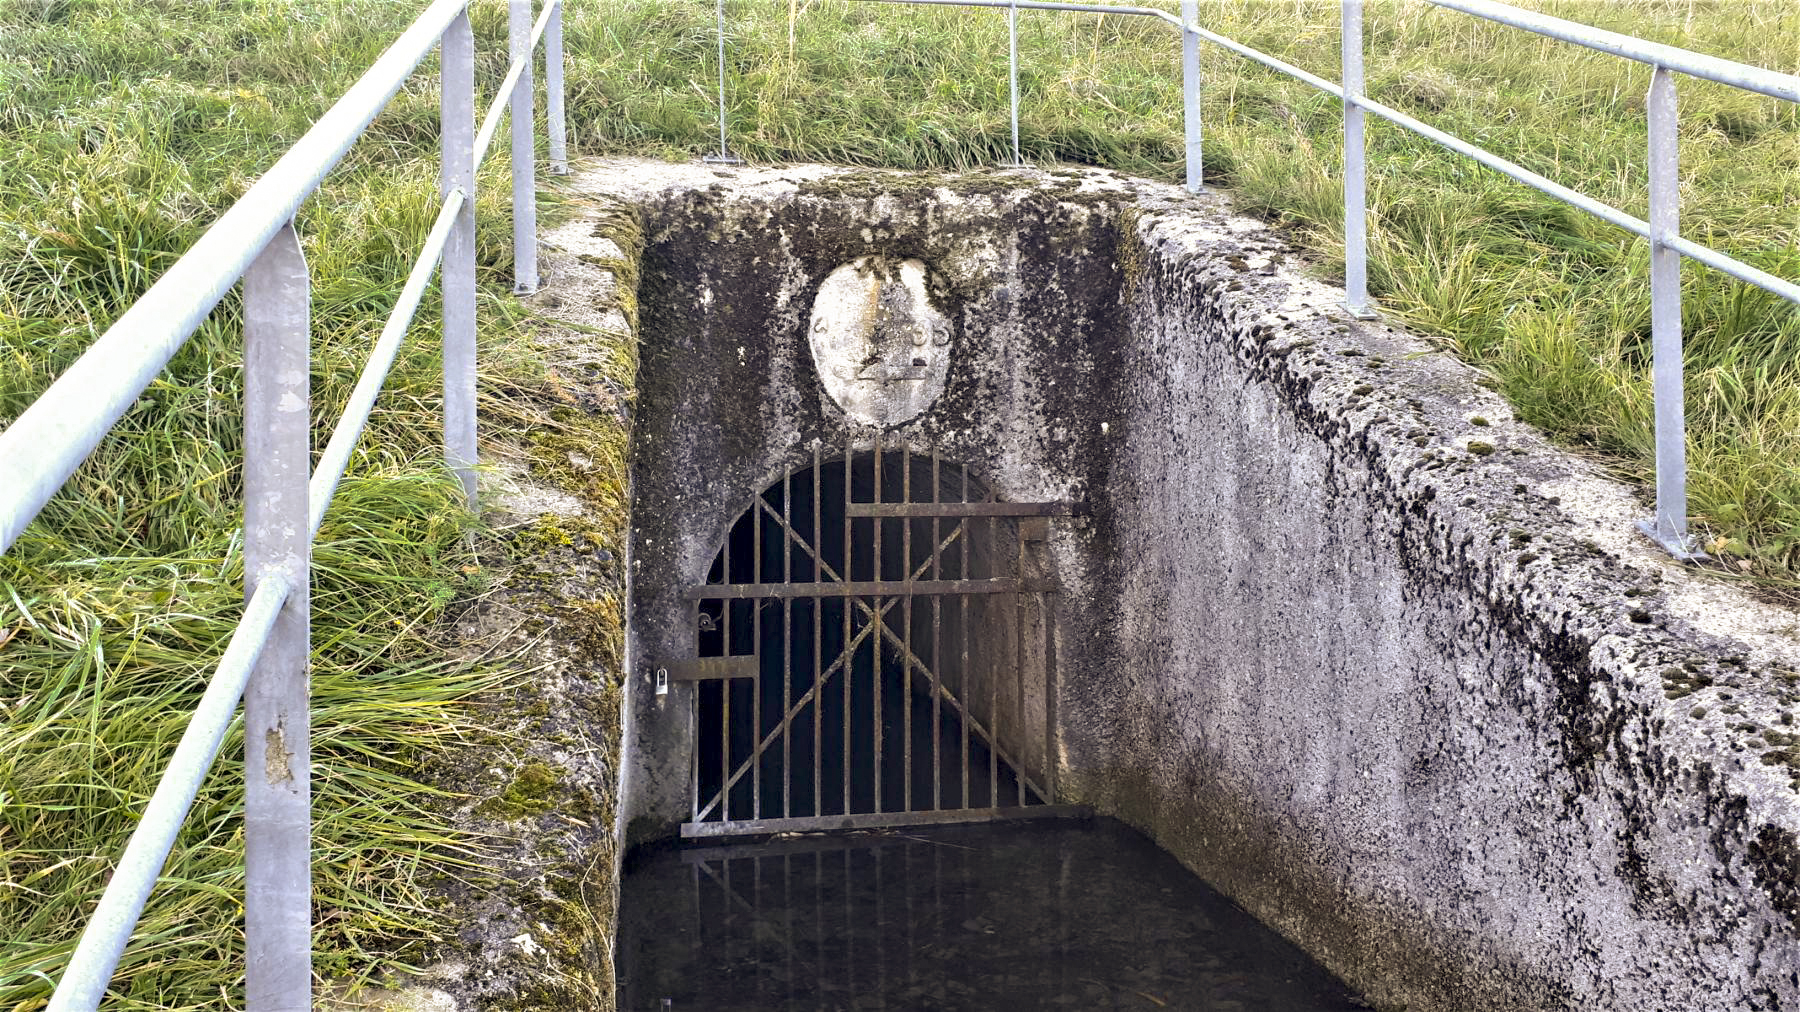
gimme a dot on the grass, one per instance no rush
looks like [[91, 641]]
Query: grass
[[1552, 305], [128, 126]]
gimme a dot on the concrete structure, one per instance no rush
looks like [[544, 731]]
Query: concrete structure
[[1363, 652]]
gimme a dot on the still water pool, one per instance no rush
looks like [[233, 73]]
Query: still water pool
[[1025, 915]]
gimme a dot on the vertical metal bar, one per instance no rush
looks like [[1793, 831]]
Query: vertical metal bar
[[879, 617], [724, 157], [818, 649], [756, 686], [725, 696], [1669, 528], [457, 172], [1050, 751], [694, 755], [937, 660], [906, 709], [724, 149], [962, 676], [849, 655], [524, 152], [1018, 606], [1356, 226], [1190, 90], [555, 121], [693, 738], [993, 680], [277, 718], [787, 646], [1012, 31]]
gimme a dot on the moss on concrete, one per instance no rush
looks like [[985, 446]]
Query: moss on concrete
[[532, 791], [540, 788]]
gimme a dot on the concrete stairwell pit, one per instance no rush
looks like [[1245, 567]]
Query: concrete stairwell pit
[[1330, 627]]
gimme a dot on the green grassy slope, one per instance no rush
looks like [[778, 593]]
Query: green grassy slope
[[125, 128], [1552, 304]]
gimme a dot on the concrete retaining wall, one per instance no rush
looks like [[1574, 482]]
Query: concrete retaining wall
[[1398, 681], [1404, 686]]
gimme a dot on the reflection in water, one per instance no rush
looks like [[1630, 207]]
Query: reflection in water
[[1037, 915]]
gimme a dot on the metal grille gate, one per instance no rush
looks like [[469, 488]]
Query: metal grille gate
[[874, 650]]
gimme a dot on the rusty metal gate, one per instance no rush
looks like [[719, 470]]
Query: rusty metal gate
[[874, 649]]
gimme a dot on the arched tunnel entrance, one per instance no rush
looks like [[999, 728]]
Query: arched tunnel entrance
[[874, 638], [875, 649]]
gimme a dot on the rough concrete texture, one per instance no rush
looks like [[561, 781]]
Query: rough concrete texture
[[1359, 649], [537, 793], [1406, 685]]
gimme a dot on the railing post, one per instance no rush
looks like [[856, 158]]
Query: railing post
[[1190, 91], [724, 157], [524, 152], [457, 172], [277, 720], [553, 91], [1356, 225], [1012, 33], [1669, 527]]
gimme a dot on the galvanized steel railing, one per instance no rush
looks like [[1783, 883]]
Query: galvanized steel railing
[[265, 660], [1667, 247]]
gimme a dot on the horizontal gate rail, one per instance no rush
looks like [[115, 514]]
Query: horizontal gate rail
[[712, 669], [866, 588], [265, 659], [879, 820], [891, 649], [1669, 527], [859, 510]]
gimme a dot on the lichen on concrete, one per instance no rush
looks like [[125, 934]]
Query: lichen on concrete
[[1484, 774]]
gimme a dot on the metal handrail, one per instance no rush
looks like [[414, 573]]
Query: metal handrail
[[120, 906], [1712, 68], [1668, 528], [43, 446], [264, 662]]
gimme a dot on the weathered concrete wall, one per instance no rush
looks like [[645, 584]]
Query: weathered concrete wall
[[1360, 650], [1401, 682], [731, 399]]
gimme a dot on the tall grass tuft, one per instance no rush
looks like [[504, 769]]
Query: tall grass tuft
[[128, 128]]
